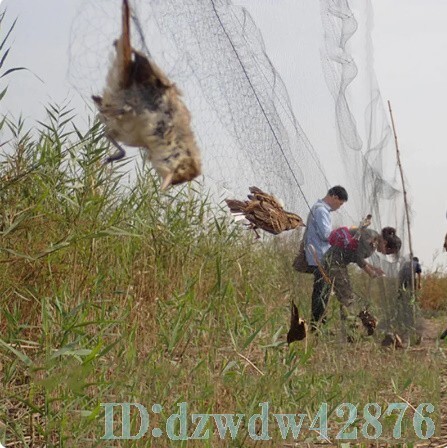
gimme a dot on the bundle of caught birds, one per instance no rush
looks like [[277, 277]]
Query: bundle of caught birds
[[265, 212]]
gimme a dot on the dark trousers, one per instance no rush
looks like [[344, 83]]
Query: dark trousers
[[320, 297]]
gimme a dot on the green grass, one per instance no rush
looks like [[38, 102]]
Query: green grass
[[115, 292]]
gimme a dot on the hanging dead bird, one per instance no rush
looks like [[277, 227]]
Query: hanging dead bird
[[265, 212], [368, 321], [298, 327], [141, 107], [392, 340]]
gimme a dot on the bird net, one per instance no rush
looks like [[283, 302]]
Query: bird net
[[282, 95]]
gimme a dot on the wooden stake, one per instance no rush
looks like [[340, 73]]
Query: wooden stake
[[407, 214]]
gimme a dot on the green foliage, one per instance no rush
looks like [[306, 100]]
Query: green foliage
[[4, 52]]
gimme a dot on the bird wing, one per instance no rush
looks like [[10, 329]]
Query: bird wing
[[236, 206], [294, 314], [258, 194], [267, 217], [297, 330]]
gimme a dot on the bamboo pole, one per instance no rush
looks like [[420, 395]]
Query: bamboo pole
[[407, 214]]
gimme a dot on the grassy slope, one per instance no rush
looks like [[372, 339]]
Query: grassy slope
[[112, 293]]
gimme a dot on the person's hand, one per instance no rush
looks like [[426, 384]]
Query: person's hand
[[373, 273], [379, 272]]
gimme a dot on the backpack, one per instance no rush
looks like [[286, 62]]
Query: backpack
[[342, 238]]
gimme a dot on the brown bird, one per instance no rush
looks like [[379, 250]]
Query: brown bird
[[264, 212], [366, 222], [298, 327], [141, 107], [368, 321], [392, 340], [445, 242]]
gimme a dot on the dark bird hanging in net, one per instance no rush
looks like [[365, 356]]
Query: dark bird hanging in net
[[368, 321], [445, 242], [141, 107], [265, 212], [298, 326]]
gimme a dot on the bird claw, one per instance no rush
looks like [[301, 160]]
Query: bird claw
[[118, 155]]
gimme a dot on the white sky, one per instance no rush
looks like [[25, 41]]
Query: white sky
[[410, 44]]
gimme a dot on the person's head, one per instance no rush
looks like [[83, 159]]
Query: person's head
[[336, 197], [416, 259], [389, 242]]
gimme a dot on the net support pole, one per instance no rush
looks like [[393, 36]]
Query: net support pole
[[407, 213]]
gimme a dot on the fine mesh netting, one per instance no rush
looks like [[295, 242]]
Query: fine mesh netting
[[365, 138], [321, 123], [241, 112]]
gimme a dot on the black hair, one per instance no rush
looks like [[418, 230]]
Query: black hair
[[338, 191], [416, 259], [393, 242]]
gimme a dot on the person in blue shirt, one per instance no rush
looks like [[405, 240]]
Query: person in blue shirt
[[318, 228]]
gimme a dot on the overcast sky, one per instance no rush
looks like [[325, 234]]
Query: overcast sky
[[410, 44]]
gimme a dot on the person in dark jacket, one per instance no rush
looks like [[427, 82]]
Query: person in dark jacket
[[405, 274]]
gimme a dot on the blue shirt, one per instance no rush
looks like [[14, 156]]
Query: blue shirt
[[318, 228]]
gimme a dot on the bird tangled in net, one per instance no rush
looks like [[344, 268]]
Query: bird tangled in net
[[392, 340], [298, 326], [368, 321], [141, 107], [265, 212]]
